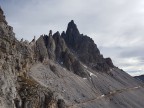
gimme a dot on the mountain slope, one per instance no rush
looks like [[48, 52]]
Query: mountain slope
[[61, 71]]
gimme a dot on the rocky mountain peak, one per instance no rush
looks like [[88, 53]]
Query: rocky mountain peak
[[72, 34], [85, 49], [2, 17], [72, 30], [1, 11]]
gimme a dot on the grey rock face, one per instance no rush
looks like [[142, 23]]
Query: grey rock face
[[109, 62], [17, 89], [61, 103], [2, 17], [60, 46], [41, 49], [85, 48], [34, 95], [61, 71]]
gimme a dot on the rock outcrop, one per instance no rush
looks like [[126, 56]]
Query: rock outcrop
[[17, 89], [2, 17], [61, 71], [85, 48]]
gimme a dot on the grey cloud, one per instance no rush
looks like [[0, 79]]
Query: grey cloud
[[132, 52]]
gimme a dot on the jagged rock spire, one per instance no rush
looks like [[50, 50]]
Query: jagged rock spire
[[85, 47], [1, 11], [50, 33], [72, 33], [72, 29], [34, 38], [2, 17]]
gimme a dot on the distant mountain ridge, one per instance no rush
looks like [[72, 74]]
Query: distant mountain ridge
[[63, 70], [141, 77]]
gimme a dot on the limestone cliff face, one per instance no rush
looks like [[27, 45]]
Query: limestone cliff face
[[61, 71], [2, 17], [17, 89]]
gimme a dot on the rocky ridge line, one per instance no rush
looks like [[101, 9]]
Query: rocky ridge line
[[58, 70], [17, 89]]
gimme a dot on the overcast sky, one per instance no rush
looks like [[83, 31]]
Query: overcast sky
[[116, 26]]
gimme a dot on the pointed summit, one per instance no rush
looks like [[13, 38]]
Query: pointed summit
[[2, 17], [72, 34], [72, 29], [1, 11], [72, 24]]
